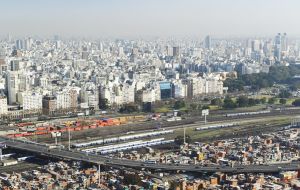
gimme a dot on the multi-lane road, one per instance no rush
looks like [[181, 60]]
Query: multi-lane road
[[102, 160]]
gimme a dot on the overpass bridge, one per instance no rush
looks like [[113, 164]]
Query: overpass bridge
[[102, 160]]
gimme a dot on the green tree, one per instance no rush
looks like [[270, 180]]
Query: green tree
[[242, 101], [103, 104], [296, 102], [229, 103], [234, 85], [251, 102], [193, 106], [282, 101], [179, 104], [272, 100], [206, 99], [216, 102], [129, 108], [263, 100], [257, 101], [205, 107], [277, 74], [284, 94]]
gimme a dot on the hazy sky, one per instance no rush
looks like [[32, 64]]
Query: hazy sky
[[121, 18]]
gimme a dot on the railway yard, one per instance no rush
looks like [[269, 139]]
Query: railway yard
[[134, 137], [248, 122]]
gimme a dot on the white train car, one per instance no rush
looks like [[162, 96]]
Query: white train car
[[24, 158], [127, 146], [8, 155], [136, 146], [121, 138], [216, 126], [247, 113]]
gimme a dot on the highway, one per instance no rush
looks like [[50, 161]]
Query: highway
[[102, 160]]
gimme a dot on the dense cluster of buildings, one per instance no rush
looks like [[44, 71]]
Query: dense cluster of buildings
[[277, 147], [51, 76], [63, 175]]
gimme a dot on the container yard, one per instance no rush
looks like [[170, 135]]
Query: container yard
[[32, 129]]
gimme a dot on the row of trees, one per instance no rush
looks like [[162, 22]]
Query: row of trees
[[277, 74], [243, 101]]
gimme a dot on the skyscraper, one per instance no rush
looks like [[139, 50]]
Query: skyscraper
[[12, 86], [284, 42], [255, 45], [19, 44], [3, 104], [176, 51], [28, 43], [207, 42], [277, 49]]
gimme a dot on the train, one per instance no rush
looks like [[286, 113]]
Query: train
[[127, 146], [24, 158], [121, 138], [247, 113], [8, 155], [216, 126]]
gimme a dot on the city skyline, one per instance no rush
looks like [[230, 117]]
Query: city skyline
[[133, 18], [149, 95]]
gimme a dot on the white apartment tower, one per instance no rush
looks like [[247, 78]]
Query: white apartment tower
[[32, 101], [3, 105]]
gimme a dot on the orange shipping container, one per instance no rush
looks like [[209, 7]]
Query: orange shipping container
[[41, 128], [18, 135], [27, 134], [41, 132]]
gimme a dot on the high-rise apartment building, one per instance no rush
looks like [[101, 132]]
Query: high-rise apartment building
[[49, 105], [32, 101], [3, 105], [207, 42]]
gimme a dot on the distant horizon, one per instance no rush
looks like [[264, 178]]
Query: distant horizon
[[168, 38], [139, 19]]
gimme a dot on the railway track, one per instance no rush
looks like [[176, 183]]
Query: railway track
[[149, 126]]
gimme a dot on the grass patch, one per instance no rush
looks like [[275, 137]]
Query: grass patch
[[162, 110]]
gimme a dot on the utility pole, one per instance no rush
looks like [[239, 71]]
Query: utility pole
[[0, 154], [184, 135], [35, 136], [99, 175], [69, 133]]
